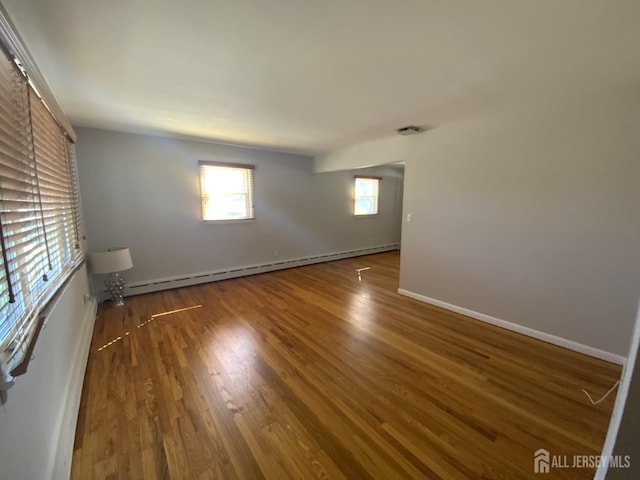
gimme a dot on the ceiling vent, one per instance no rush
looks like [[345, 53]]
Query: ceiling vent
[[409, 130]]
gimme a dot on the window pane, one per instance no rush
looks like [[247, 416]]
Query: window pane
[[365, 206], [365, 187], [227, 206], [225, 180]]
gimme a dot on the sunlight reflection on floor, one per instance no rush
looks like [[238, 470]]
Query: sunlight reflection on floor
[[151, 319]]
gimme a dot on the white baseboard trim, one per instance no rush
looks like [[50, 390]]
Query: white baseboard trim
[[67, 428], [530, 332], [166, 283]]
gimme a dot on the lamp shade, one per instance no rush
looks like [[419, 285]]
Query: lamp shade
[[110, 261]]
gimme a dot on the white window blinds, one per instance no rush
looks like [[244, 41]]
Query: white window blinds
[[56, 185], [40, 220], [226, 191]]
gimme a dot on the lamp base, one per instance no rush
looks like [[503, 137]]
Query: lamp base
[[115, 285]]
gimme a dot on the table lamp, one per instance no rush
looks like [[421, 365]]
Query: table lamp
[[112, 261]]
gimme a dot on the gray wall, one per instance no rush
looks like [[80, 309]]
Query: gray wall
[[532, 217], [143, 192], [37, 424]]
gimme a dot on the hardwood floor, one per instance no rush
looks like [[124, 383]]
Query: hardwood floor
[[310, 373]]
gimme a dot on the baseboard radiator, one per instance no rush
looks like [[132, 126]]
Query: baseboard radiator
[[137, 288]]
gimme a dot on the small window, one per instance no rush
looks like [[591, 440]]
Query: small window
[[366, 196], [226, 191]]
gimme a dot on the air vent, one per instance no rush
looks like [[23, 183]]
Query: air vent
[[409, 130]]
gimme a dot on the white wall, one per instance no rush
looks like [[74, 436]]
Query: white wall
[[37, 424], [143, 192], [380, 152], [531, 216]]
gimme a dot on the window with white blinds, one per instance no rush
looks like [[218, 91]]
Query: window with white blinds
[[40, 222], [226, 191]]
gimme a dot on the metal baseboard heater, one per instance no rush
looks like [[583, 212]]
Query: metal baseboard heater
[[137, 288]]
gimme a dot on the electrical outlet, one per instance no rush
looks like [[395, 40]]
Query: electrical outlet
[[276, 252]]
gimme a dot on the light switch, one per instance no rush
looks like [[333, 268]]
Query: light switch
[[409, 217]]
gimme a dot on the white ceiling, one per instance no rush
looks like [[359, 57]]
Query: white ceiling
[[313, 76]]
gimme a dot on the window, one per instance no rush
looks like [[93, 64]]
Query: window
[[40, 221], [366, 195], [226, 190]]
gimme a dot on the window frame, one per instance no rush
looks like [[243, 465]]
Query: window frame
[[249, 191], [356, 196]]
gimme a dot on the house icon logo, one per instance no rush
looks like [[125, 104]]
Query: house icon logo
[[541, 461]]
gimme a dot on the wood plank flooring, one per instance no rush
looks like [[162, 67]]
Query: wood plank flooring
[[311, 373]]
